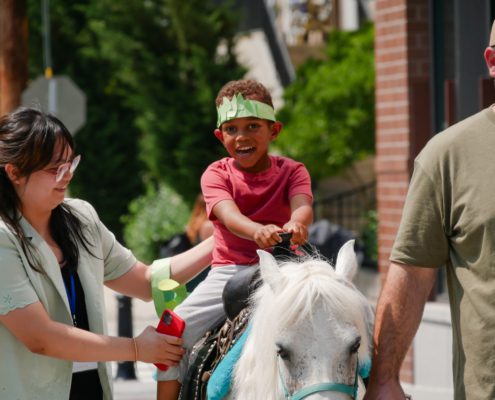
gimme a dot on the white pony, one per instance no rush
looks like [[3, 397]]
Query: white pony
[[310, 332]]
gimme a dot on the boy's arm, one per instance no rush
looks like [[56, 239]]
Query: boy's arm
[[301, 217], [229, 214]]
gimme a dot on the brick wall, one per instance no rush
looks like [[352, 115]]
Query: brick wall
[[402, 60]]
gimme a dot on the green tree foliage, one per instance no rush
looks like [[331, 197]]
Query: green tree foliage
[[110, 174], [153, 217], [150, 70], [168, 70], [329, 108]]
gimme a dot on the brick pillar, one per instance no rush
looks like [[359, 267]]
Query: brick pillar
[[402, 114]]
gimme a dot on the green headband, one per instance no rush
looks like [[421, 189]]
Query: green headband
[[240, 107]]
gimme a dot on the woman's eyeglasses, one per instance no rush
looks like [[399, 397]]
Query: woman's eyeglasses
[[69, 166]]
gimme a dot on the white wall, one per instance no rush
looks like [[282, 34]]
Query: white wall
[[253, 52]]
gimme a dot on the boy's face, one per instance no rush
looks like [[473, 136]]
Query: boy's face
[[247, 141]]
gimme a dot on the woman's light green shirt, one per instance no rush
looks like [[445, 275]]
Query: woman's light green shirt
[[23, 374]]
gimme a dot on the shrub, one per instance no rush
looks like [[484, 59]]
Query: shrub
[[153, 218]]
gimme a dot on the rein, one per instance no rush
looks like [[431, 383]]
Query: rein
[[350, 390]]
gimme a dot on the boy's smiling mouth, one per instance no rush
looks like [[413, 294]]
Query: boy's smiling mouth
[[245, 150]]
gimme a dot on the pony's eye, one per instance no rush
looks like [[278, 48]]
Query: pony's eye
[[282, 352], [355, 346]]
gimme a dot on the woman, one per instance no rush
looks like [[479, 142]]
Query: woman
[[55, 257]]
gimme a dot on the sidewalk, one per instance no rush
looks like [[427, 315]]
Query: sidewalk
[[143, 314]]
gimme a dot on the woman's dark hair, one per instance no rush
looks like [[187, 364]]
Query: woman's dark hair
[[28, 141]]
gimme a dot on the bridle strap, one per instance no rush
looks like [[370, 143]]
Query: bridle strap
[[350, 390], [324, 387]]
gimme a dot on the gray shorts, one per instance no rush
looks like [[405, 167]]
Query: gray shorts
[[201, 310]]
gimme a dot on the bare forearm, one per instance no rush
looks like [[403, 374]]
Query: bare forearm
[[69, 343], [134, 283], [242, 226], [33, 327], [303, 215], [398, 315], [229, 215], [185, 266]]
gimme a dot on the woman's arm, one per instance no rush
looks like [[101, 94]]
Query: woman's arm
[[186, 265], [33, 327], [183, 267], [134, 283]]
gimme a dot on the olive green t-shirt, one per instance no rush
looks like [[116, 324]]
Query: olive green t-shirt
[[449, 220]]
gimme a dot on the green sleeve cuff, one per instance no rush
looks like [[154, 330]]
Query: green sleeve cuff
[[166, 292]]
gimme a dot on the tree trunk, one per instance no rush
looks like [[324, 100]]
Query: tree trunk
[[13, 53]]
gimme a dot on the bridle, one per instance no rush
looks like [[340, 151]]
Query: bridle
[[350, 390], [283, 249]]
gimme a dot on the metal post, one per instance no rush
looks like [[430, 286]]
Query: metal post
[[125, 370]]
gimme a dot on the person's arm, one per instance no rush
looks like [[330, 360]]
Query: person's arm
[[301, 217], [32, 326], [186, 265], [229, 214], [134, 283], [183, 267], [398, 315]]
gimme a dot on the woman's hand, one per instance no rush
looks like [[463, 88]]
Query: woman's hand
[[154, 347]]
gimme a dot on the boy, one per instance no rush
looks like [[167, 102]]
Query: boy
[[250, 196]]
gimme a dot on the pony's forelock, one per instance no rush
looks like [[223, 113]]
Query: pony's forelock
[[311, 281]]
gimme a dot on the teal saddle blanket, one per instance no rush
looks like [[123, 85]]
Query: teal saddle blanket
[[220, 381]]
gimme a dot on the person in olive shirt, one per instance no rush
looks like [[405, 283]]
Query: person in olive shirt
[[448, 220]]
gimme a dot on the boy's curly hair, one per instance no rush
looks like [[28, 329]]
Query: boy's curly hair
[[250, 89]]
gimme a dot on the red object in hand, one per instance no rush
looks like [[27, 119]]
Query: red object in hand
[[170, 324]]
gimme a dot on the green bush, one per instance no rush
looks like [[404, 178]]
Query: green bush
[[153, 218], [328, 113]]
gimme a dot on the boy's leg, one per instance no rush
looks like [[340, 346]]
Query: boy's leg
[[201, 310]]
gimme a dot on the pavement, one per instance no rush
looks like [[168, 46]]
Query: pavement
[[143, 314]]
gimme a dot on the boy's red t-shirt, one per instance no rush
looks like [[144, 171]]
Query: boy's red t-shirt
[[262, 197]]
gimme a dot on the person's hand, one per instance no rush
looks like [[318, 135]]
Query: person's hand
[[154, 347], [267, 236], [390, 390], [299, 232]]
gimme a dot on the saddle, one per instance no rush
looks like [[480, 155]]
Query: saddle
[[207, 354], [216, 343]]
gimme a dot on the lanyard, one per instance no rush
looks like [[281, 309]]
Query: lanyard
[[71, 295]]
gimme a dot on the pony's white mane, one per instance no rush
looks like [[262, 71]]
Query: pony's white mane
[[305, 285]]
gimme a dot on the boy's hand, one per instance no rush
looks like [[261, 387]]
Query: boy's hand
[[267, 236], [299, 232]]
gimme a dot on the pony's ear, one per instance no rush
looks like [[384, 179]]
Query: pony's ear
[[347, 263], [270, 272]]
